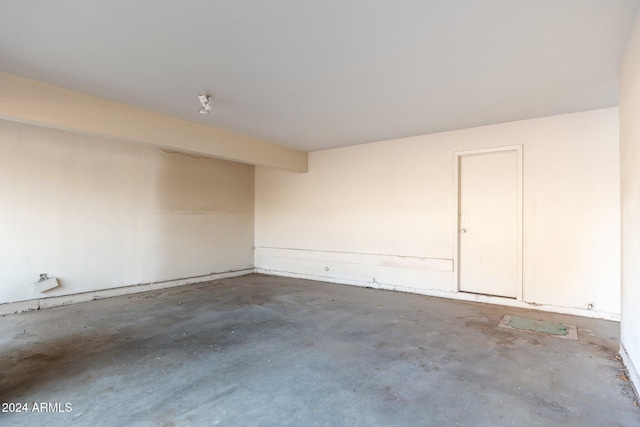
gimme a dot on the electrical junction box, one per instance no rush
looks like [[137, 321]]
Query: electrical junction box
[[45, 283]]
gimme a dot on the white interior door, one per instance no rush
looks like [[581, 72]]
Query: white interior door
[[489, 223]]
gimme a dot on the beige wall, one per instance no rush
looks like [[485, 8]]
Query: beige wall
[[381, 214], [630, 183], [100, 214]]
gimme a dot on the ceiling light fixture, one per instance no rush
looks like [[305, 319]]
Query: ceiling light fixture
[[205, 100]]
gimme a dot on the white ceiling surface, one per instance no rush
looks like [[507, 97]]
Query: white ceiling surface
[[321, 74]]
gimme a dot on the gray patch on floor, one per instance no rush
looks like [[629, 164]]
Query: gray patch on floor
[[267, 351], [558, 330]]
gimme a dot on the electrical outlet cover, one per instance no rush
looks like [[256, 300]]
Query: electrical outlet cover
[[46, 284]]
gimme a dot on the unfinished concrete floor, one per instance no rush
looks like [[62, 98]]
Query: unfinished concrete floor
[[268, 351]]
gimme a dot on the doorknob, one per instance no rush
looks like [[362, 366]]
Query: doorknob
[[463, 230]]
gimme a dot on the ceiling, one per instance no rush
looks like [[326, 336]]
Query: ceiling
[[328, 73]]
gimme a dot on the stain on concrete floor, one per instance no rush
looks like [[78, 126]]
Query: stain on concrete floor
[[269, 351], [539, 327]]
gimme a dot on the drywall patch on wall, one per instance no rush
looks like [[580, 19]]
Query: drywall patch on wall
[[630, 184], [362, 269], [421, 263], [396, 198], [100, 214]]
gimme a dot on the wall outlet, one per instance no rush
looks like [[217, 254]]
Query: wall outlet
[[46, 284]]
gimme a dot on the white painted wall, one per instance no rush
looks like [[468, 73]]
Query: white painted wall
[[100, 213], [630, 184], [381, 214]]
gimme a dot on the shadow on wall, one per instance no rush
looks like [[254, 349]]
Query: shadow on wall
[[203, 217], [104, 214]]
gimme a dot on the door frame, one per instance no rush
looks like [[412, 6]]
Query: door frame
[[457, 156]]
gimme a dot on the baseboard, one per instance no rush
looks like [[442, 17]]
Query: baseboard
[[634, 377], [41, 303], [446, 294]]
